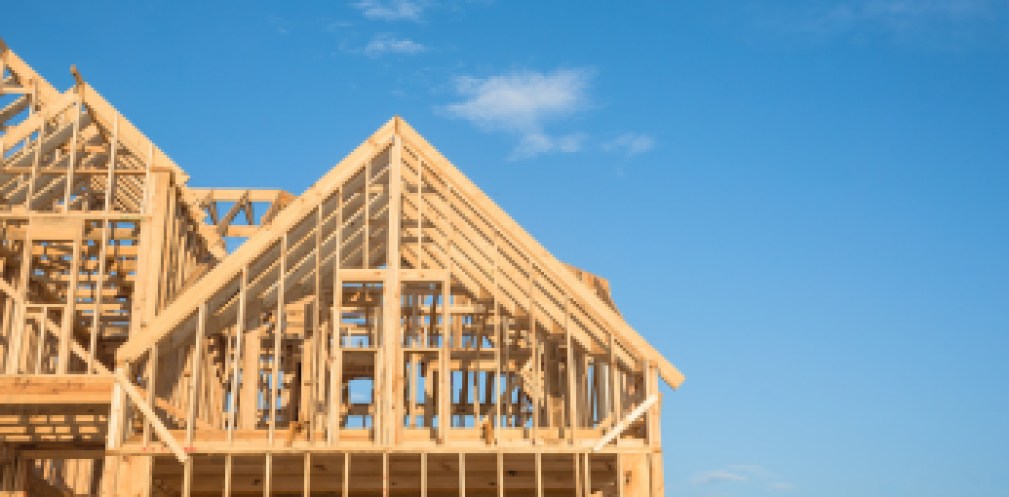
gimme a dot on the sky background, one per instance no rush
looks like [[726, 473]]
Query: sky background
[[803, 205]]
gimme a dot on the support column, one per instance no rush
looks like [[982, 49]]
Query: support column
[[248, 399], [635, 481], [237, 359], [391, 355], [444, 375], [153, 231], [335, 344], [17, 329], [111, 468], [69, 308], [572, 392], [279, 324]]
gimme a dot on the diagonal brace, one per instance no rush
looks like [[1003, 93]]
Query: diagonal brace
[[624, 423]]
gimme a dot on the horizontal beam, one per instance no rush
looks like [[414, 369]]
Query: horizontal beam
[[236, 194], [76, 389]]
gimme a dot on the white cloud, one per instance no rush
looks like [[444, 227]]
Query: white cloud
[[630, 144], [391, 10], [521, 100], [385, 43], [716, 476], [522, 103]]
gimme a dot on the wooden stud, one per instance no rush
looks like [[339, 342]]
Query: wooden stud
[[278, 334], [268, 475], [194, 380], [346, 475], [237, 361], [228, 468]]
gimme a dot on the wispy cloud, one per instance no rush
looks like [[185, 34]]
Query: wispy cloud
[[389, 44], [753, 470], [280, 25], [630, 144], [715, 476], [748, 474], [898, 13], [335, 26], [534, 144], [522, 103], [781, 486], [930, 21], [391, 10]]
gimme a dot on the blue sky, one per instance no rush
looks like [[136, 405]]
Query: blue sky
[[804, 205]]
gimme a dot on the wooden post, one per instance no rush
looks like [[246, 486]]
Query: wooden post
[[336, 341], [572, 391], [248, 399], [98, 291], [114, 145], [385, 474], [314, 343], [268, 476], [346, 475], [155, 227], [69, 308], [152, 386], [391, 354], [621, 478], [423, 474], [69, 186], [194, 383], [576, 462], [539, 474], [537, 369], [655, 474], [239, 338], [651, 415], [500, 474], [444, 374], [462, 474], [228, 469], [114, 436], [36, 159], [17, 337], [187, 477], [307, 477], [498, 342], [278, 334]]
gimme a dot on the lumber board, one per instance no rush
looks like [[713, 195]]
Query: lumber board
[[23, 390]]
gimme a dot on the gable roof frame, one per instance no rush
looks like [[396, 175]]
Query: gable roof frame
[[106, 116], [303, 205]]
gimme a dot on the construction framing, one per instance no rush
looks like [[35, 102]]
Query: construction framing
[[390, 331]]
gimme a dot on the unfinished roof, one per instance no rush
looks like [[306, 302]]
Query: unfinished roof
[[465, 231], [391, 312]]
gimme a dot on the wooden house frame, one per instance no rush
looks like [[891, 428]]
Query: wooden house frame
[[390, 331]]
